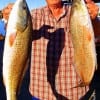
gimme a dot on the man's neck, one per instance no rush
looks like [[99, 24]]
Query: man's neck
[[56, 10]]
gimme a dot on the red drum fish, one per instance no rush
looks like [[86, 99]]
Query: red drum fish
[[17, 48], [83, 41]]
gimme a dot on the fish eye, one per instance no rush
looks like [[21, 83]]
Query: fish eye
[[24, 7]]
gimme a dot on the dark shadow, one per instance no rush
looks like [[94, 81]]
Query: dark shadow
[[55, 46], [42, 32], [2, 88], [54, 50]]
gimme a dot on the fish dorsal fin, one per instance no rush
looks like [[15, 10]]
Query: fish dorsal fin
[[12, 37]]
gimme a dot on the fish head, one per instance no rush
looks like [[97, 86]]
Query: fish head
[[78, 5], [19, 21], [19, 17]]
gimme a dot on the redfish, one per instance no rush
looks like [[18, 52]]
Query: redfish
[[83, 40], [17, 48]]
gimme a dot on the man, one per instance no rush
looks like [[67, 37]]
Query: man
[[52, 74]]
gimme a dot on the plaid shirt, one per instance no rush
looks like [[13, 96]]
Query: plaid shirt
[[52, 74]]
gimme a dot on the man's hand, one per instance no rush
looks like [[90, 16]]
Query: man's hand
[[92, 8]]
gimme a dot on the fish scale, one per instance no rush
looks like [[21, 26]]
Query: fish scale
[[83, 41]]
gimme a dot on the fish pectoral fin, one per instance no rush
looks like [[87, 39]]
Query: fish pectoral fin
[[22, 75], [12, 38]]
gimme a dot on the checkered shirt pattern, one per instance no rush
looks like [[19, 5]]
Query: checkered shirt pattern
[[52, 74]]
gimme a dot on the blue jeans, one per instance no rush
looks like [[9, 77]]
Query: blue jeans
[[35, 98]]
